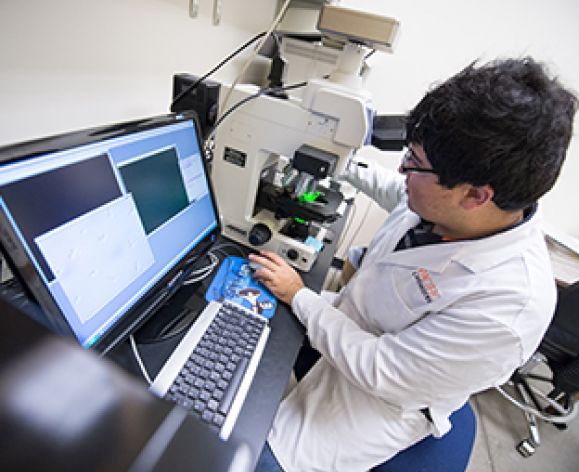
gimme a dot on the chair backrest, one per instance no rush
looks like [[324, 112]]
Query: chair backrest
[[561, 341], [567, 312]]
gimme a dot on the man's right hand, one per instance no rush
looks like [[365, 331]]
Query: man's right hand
[[277, 275]]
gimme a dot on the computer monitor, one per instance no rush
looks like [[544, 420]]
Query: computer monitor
[[101, 225]]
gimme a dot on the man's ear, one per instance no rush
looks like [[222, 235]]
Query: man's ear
[[475, 197]]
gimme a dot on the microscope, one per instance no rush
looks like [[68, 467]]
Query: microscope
[[275, 156]]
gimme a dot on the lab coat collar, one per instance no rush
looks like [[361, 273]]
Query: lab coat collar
[[475, 255], [501, 246]]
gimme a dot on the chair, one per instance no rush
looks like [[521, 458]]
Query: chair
[[450, 453], [551, 398]]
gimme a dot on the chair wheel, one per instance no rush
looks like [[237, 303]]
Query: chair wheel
[[527, 447]]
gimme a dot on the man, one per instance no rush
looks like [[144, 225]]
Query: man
[[454, 292]]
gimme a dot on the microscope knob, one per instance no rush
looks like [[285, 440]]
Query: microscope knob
[[292, 254], [259, 234]]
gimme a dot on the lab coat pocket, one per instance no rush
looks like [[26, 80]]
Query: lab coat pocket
[[387, 304]]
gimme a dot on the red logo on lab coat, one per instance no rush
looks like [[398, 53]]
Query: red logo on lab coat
[[426, 284]]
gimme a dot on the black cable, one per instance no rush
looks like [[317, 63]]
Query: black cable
[[217, 67], [369, 54], [247, 99], [290, 87], [183, 321], [186, 316], [232, 109], [169, 330]]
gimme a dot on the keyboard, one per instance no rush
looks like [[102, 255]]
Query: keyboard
[[211, 370]]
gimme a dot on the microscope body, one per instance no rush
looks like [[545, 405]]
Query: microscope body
[[274, 156], [255, 147]]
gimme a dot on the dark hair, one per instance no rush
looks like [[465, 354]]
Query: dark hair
[[506, 124]]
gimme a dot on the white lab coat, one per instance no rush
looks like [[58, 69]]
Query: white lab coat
[[421, 327]]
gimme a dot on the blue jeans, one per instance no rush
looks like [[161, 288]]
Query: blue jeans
[[267, 461]]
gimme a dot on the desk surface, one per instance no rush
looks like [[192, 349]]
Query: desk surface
[[285, 340]]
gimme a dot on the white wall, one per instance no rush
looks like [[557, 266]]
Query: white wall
[[438, 38], [67, 64]]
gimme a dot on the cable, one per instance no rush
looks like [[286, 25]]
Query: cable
[[231, 110], [199, 275], [217, 67], [247, 99], [204, 271], [256, 50], [289, 87], [220, 246], [168, 331], [223, 253], [369, 54], [139, 360], [208, 268]]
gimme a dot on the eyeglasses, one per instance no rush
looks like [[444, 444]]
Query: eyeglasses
[[410, 164]]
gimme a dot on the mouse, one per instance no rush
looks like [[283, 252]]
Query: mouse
[[254, 265]]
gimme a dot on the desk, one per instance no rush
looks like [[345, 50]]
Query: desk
[[285, 339]]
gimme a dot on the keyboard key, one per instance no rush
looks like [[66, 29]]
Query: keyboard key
[[193, 393], [218, 419], [186, 403], [212, 405], [232, 387]]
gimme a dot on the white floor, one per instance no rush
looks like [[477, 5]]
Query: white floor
[[501, 426]]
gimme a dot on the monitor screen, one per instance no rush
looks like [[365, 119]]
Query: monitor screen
[[100, 224]]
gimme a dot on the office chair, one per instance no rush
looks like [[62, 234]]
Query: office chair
[[450, 453], [559, 351]]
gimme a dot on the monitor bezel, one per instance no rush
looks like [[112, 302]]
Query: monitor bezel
[[23, 268]]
